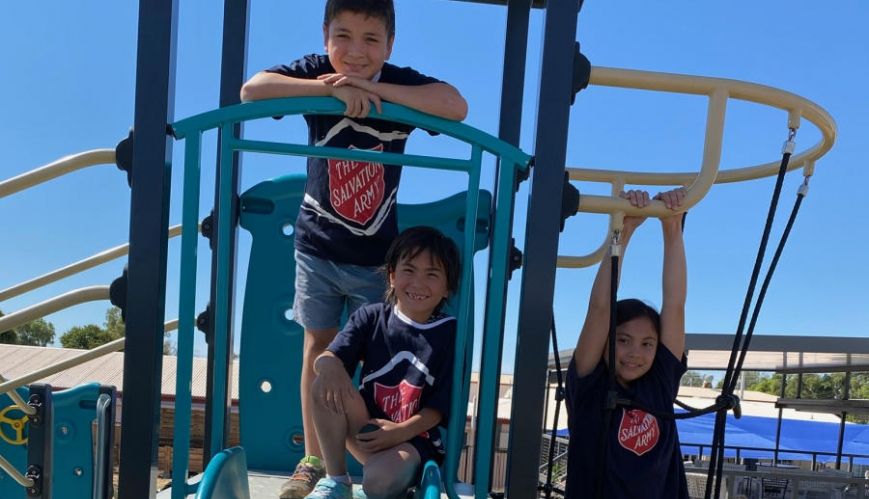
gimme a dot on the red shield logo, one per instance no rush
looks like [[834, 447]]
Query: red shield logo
[[398, 402], [356, 188], [638, 431]]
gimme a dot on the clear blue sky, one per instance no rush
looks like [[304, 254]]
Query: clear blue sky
[[67, 85]]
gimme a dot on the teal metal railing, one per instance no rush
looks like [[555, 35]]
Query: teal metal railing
[[223, 120]]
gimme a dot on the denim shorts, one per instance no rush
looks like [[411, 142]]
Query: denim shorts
[[324, 288]]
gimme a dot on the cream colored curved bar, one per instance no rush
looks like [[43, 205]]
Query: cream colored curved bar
[[24, 406], [107, 348], [74, 268], [112, 346], [56, 169], [15, 474], [719, 91], [52, 305]]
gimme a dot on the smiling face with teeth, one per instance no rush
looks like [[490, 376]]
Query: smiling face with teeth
[[636, 344], [358, 44], [419, 285]]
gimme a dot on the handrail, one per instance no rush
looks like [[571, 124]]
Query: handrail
[[15, 474], [74, 268], [719, 91], [191, 129], [94, 353], [60, 302], [17, 400], [62, 166], [328, 105]]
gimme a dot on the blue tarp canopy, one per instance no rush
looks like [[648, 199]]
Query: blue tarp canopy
[[756, 431]]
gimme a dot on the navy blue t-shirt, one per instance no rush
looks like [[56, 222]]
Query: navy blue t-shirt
[[406, 366], [348, 214], [644, 459]]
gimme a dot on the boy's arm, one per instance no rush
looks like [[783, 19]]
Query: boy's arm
[[268, 85], [332, 386], [426, 419], [391, 434], [438, 99]]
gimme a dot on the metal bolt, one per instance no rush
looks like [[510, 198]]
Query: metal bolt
[[78, 471], [64, 430]]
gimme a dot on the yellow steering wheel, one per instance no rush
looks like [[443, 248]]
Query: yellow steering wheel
[[17, 424]]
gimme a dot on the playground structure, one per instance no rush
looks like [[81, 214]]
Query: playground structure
[[144, 294]]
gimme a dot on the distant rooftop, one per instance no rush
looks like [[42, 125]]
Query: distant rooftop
[[783, 354]]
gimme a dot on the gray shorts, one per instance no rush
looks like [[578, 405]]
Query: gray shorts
[[324, 288]]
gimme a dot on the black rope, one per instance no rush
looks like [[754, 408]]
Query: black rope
[[610, 403], [559, 396], [716, 462]]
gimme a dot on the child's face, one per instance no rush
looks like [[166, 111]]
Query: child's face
[[357, 44], [419, 283], [636, 343]]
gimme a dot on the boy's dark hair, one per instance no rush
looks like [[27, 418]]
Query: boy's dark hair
[[631, 308], [414, 241], [382, 9]]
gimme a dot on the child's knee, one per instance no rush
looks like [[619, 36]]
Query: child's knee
[[379, 482]]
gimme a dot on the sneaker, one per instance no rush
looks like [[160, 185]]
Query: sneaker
[[327, 488], [358, 493], [308, 472]]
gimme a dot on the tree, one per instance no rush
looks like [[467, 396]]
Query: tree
[[9, 336], [85, 337], [115, 326], [36, 333], [692, 378], [115, 323]]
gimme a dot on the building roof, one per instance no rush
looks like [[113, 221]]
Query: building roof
[[784, 354], [19, 360]]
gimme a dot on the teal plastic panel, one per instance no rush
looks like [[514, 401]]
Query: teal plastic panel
[[73, 465], [271, 342], [225, 477]]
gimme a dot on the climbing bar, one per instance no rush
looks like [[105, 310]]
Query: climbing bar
[[719, 91], [74, 268], [19, 402], [56, 169], [60, 302], [14, 473]]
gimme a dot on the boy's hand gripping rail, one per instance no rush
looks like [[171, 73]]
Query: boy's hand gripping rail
[[719, 90]]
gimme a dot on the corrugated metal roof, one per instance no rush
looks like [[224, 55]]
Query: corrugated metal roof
[[19, 360]]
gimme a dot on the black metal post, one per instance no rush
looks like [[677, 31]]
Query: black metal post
[[40, 442], [844, 416], [149, 223], [541, 246], [784, 383], [232, 74], [512, 92]]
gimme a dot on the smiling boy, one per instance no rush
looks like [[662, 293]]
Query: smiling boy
[[348, 217]]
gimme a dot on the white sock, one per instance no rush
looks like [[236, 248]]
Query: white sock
[[345, 478]]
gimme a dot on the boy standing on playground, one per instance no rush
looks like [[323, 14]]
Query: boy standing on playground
[[641, 457], [348, 217]]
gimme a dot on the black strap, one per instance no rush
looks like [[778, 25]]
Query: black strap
[[740, 346]]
